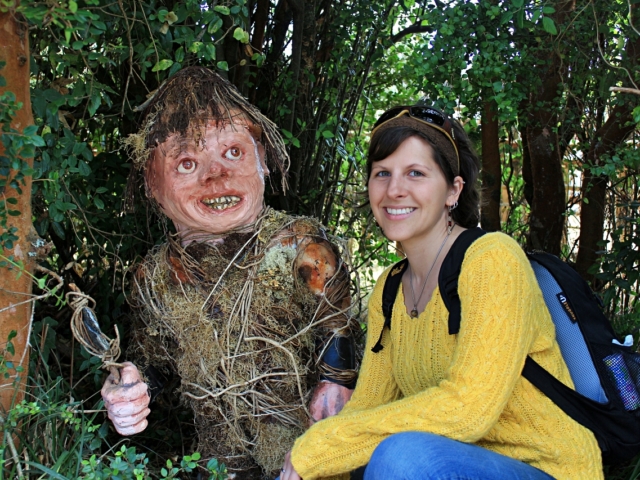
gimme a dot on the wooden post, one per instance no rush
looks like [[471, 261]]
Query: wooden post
[[14, 289]]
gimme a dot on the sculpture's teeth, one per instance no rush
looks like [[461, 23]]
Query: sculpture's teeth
[[221, 203]]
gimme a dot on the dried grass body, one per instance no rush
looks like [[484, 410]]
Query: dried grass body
[[240, 327]]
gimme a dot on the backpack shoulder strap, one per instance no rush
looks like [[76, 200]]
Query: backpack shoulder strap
[[389, 293], [449, 273]]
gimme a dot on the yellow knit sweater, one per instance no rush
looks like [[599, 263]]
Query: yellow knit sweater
[[467, 387]]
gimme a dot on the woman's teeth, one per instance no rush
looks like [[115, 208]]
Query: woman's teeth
[[399, 211], [221, 203]]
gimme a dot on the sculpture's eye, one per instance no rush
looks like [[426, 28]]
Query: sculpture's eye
[[234, 153], [186, 166]]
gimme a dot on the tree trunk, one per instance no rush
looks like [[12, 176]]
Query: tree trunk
[[15, 288], [594, 188], [539, 119], [491, 171]]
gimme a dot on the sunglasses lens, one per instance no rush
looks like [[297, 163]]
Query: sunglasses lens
[[428, 115], [388, 115]]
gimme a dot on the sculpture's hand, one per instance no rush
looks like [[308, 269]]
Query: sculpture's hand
[[328, 399], [127, 402]]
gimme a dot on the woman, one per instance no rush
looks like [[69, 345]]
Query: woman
[[430, 405]]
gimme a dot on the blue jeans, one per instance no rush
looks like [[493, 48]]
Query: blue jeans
[[425, 456]]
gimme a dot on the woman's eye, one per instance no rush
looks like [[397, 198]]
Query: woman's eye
[[416, 173], [186, 166], [383, 173], [234, 153]]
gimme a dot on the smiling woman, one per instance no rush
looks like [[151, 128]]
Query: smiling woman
[[429, 404]]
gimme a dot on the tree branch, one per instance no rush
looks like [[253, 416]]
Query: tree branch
[[635, 91], [417, 28]]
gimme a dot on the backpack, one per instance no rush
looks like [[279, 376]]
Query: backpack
[[606, 374]]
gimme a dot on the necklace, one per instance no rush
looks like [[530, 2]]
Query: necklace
[[414, 312]]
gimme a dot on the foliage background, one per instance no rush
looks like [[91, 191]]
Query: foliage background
[[530, 80]]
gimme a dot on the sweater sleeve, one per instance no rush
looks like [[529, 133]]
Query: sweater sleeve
[[498, 291]]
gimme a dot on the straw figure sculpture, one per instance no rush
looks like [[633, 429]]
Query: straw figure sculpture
[[242, 317]]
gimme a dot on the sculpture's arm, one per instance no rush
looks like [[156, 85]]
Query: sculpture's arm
[[319, 266]]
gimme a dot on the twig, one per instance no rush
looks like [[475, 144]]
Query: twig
[[635, 91], [39, 297], [126, 88], [12, 447]]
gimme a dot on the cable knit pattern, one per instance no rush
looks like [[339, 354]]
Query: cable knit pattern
[[467, 387]]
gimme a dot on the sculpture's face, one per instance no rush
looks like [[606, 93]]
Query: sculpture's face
[[213, 186]]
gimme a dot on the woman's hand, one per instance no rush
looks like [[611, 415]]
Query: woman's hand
[[288, 472], [328, 399], [127, 402]]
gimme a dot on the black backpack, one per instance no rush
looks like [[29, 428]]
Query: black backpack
[[605, 373]]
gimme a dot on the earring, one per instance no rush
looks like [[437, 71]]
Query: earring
[[450, 223]]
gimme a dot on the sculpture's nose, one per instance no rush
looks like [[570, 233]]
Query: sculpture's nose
[[214, 170]]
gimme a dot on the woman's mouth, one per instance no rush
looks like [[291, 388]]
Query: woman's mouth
[[221, 203], [399, 211]]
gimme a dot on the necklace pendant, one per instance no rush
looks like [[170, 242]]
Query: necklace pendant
[[414, 313]]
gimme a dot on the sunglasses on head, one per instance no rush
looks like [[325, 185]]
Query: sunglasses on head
[[424, 114], [428, 115]]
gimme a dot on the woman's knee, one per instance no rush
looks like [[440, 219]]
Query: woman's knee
[[402, 452]]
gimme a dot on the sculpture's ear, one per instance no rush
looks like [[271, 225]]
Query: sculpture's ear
[[149, 172], [263, 159]]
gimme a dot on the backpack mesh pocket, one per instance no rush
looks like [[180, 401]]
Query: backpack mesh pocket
[[623, 370]]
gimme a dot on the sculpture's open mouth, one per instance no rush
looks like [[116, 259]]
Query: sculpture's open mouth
[[221, 203]]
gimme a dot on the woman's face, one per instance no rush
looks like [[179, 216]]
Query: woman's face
[[213, 186], [409, 193]]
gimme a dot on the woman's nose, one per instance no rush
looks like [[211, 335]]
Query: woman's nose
[[396, 187]]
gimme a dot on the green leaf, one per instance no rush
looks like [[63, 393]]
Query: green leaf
[[221, 9], [240, 35], [37, 141], [171, 18], [98, 203], [162, 65], [549, 26], [517, 3], [223, 66], [215, 25], [73, 6], [58, 230], [94, 103], [195, 47], [328, 134], [30, 130], [85, 170]]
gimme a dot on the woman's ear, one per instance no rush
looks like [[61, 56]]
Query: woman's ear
[[455, 191]]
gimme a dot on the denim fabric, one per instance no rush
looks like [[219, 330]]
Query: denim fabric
[[425, 456]]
